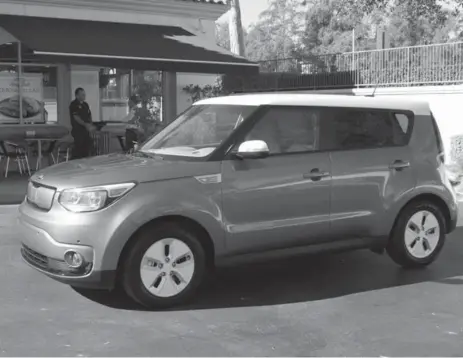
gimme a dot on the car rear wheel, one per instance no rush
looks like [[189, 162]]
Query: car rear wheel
[[418, 235], [164, 267]]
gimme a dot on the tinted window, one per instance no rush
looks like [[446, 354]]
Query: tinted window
[[362, 129], [287, 130]]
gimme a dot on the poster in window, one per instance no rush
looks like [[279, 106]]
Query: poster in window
[[33, 106]]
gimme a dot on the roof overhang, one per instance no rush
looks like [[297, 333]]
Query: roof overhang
[[131, 46], [6, 37], [117, 10]]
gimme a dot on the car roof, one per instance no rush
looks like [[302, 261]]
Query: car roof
[[322, 100]]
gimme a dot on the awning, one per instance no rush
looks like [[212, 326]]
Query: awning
[[130, 46]]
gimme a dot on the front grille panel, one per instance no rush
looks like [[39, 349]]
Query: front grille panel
[[34, 257], [40, 196], [53, 266]]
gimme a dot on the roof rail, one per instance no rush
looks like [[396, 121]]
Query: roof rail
[[290, 89]]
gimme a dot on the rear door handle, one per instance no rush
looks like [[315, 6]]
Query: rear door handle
[[399, 165], [316, 174]]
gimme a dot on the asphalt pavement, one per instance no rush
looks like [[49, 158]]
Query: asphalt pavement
[[351, 304]]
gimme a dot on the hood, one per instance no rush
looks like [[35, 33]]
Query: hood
[[119, 168]]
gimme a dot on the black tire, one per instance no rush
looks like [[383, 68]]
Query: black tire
[[396, 247], [130, 275]]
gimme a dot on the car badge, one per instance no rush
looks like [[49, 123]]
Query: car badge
[[40, 177]]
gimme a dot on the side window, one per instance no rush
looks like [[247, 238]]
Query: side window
[[365, 129], [287, 130], [402, 120], [402, 124]]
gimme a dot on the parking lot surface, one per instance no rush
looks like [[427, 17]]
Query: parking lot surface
[[347, 304]]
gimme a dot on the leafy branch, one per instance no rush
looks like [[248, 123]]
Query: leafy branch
[[197, 92]]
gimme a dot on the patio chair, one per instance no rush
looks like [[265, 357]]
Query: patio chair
[[2, 154], [47, 152], [101, 142], [18, 154], [63, 151]]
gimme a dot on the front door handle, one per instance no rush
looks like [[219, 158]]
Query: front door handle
[[399, 165], [316, 174]]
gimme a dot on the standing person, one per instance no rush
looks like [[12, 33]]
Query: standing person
[[82, 127]]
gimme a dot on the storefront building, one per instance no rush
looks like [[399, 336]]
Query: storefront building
[[48, 48]]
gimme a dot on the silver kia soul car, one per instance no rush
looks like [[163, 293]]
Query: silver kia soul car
[[244, 176]]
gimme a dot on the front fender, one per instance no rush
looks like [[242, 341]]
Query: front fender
[[181, 197]]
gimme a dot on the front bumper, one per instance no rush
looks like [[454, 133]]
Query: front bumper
[[46, 255]]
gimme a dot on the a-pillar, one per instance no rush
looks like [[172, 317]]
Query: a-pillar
[[169, 96]]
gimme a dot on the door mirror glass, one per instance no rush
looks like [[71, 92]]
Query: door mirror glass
[[253, 149]]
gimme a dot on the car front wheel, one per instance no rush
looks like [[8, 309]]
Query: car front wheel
[[164, 267], [418, 235]]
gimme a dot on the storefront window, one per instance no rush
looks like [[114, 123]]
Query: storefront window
[[117, 84], [147, 85], [46, 78], [116, 87]]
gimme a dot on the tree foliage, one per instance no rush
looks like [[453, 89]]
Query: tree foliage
[[302, 31], [418, 7], [197, 92], [295, 28], [147, 86], [278, 31]]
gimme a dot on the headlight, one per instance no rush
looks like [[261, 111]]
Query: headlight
[[93, 199]]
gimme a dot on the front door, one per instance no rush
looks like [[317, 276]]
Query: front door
[[371, 169], [280, 201]]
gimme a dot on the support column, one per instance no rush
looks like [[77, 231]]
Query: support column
[[169, 96], [64, 94]]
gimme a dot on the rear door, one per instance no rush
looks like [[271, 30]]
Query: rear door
[[370, 166]]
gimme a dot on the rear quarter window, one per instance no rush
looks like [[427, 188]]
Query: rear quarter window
[[349, 129], [402, 125]]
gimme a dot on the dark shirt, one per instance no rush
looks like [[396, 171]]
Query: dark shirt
[[82, 110]]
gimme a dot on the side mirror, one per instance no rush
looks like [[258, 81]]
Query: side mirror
[[253, 149]]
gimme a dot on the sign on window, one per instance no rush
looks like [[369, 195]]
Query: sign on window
[[31, 96]]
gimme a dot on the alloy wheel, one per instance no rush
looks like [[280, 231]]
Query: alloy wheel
[[422, 234], [167, 267]]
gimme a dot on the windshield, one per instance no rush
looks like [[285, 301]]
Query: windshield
[[198, 131]]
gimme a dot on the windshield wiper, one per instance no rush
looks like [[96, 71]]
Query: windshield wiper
[[147, 155]]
